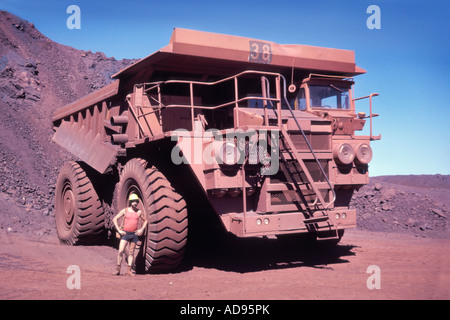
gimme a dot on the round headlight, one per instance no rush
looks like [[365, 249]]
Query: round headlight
[[344, 153], [363, 153]]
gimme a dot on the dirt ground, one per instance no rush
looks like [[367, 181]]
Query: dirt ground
[[255, 269]]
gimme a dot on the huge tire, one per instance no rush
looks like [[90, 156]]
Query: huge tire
[[79, 213], [165, 240]]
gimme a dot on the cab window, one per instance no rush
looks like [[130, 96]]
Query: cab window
[[331, 96], [301, 99]]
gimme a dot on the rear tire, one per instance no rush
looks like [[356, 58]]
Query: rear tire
[[165, 240], [79, 213]]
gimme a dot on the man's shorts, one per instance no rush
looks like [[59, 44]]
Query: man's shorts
[[130, 236]]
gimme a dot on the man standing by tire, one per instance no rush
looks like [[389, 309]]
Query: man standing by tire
[[129, 231]]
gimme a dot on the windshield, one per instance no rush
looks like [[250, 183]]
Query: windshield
[[330, 96]]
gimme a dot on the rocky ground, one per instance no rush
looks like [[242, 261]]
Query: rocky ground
[[418, 205]]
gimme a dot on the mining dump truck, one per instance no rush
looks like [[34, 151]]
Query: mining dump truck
[[261, 133]]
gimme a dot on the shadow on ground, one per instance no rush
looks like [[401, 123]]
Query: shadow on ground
[[242, 255]]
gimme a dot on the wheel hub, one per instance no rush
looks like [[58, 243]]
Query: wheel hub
[[68, 205]]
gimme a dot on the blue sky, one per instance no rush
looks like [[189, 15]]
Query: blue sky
[[407, 60]]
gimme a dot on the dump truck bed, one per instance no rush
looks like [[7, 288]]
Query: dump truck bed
[[224, 55], [205, 53]]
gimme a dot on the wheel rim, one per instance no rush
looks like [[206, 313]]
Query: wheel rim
[[68, 209]]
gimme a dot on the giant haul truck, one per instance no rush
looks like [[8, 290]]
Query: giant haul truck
[[263, 134]]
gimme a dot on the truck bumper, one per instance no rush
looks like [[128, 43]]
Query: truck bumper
[[254, 224]]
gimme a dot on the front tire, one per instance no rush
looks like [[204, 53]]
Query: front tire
[[165, 240], [79, 213]]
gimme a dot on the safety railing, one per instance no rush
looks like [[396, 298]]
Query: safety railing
[[155, 88], [372, 115]]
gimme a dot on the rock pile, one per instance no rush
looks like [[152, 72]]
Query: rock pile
[[390, 207], [37, 76]]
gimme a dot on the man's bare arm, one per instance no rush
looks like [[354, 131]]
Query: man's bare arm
[[144, 225], [116, 218]]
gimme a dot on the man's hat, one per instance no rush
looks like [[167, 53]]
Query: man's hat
[[133, 197]]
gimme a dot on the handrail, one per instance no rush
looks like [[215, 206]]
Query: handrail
[[372, 137], [218, 106], [157, 85], [215, 82]]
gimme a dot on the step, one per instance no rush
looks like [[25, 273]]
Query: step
[[285, 186], [304, 186], [327, 238], [334, 237], [316, 219]]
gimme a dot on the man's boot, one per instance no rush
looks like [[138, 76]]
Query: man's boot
[[129, 271], [117, 271]]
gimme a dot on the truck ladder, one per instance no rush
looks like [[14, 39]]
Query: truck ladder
[[315, 211]]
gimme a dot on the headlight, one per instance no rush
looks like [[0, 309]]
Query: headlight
[[344, 153], [227, 153], [363, 153]]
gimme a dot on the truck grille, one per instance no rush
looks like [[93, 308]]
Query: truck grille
[[311, 165], [319, 142], [291, 197]]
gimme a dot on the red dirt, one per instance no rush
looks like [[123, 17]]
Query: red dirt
[[410, 268]]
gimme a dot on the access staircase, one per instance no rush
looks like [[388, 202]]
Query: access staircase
[[309, 191]]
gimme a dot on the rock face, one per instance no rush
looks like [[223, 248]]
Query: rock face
[[37, 76], [410, 204]]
